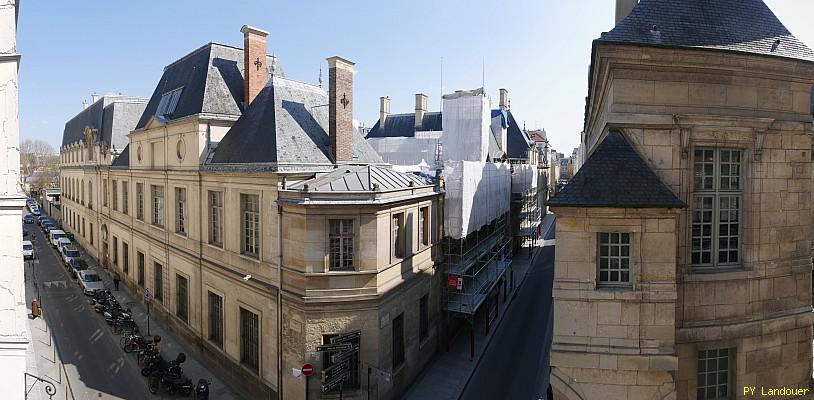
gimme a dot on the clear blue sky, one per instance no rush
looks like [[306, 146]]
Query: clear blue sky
[[537, 49]]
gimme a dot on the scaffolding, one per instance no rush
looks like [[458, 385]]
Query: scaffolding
[[527, 217], [473, 265]]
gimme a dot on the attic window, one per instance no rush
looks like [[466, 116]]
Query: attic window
[[168, 102]]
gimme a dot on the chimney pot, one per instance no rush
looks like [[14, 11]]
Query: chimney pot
[[504, 99], [384, 109], [255, 70], [420, 109], [84, 104], [340, 108], [93, 97]]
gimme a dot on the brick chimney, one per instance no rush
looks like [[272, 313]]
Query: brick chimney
[[504, 100], [420, 108], [623, 8], [384, 109], [340, 108], [255, 70]]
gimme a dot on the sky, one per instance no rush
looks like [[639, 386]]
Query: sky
[[539, 50]]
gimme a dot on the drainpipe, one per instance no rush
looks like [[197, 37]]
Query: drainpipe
[[280, 302]]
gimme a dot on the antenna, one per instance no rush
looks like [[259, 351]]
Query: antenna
[[441, 97], [320, 75], [483, 73]]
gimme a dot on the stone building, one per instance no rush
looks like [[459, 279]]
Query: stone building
[[14, 337], [683, 261], [264, 226]]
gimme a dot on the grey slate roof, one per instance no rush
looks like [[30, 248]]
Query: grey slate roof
[[114, 116], [360, 178], [403, 125], [747, 26], [616, 176], [212, 81], [287, 123], [123, 159], [517, 141]]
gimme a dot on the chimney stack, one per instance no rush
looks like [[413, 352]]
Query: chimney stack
[[93, 97], [255, 70], [340, 108], [623, 8], [84, 104], [420, 109], [504, 99], [384, 109]]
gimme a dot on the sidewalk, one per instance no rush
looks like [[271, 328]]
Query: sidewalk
[[42, 355], [448, 374], [170, 344]]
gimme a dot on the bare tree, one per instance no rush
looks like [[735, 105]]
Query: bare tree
[[38, 157]]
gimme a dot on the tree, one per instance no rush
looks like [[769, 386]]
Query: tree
[[38, 157]]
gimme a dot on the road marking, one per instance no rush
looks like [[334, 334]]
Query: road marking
[[57, 284]]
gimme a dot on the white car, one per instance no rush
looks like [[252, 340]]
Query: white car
[[54, 236], [90, 282], [69, 253], [62, 242], [28, 250]]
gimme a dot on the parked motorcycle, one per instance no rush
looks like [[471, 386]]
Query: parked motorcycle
[[135, 342], [171, 382], [150, 351], [202, 389], [124, 325]]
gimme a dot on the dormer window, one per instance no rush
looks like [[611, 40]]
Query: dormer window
[[168, 102]]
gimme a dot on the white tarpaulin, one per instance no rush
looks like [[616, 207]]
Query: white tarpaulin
[[407, 150], [476, 194], [466, 126], [524, 178]]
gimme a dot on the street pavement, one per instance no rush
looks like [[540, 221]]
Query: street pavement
[[515, 364], [96, 366]]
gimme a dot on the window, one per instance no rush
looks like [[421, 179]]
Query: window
[[249, 339], [115, 250], [115, 187], [353, 381], [340, 245], [398, 341], [168, 102], [158, 282], [91, 233], [82, 197], [125, 197], [216, 319], [397, 235], [181, 298], [614, 259], [157, 196], [250, 224], [423, 318], [140, 267], [104, 193], [215, 218], [424, 225], [180, 210], [140, 201], [125, 258], [716, 208], [90, 195], [713, 374]]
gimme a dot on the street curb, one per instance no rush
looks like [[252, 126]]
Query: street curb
[[503, 315]]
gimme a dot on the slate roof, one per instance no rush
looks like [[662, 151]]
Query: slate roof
[[403, 125], [517, 140], [360, 178], [123, 159], [287, 123], [212, 81], [114, 116], [747, 26], [616, 176]]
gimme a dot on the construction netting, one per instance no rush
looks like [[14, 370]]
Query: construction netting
[[524, 178], [406, 150], [466, 125], [476, 194]]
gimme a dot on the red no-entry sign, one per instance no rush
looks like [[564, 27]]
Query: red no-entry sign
[[307, 369]]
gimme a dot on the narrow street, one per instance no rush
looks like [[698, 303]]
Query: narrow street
[[97, 366], [515, 365]]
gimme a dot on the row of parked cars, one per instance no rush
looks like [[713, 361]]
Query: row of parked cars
[[89, 280]]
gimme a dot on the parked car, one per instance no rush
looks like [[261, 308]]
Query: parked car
[[36, 211], [77, 266], [54, 236], [90, 282], [62, 242], [28, 250], [69, 253], [41, 219], [28, 219], [48, 226]]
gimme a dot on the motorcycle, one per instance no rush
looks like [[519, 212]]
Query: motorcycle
[[137, 342], [202, 389], [149, 352], [171, 382], [124, 325]]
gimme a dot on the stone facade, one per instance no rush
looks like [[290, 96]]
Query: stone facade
[[670, 102], [14, 336]]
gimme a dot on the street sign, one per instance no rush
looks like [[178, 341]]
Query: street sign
[[348, 337], [335, 382], [345, 355], [454, 282], [333, 347], [334, 370], [307, 369], [146, 295]]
